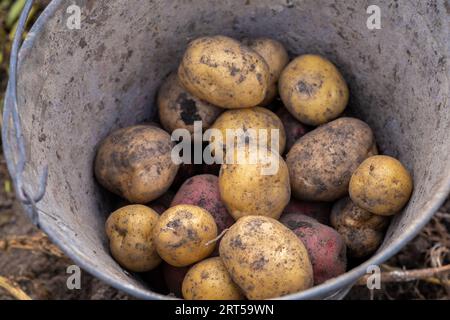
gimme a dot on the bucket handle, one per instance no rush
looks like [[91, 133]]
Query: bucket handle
[[11, 113]]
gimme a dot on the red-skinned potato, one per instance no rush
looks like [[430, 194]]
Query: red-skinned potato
[[317, 210], [294, 129], [326, 247], [203, 191]]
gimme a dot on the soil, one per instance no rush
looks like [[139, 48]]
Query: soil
[[39, 269]]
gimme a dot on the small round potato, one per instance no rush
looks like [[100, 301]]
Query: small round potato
[[313, 89], [381, 185], [224, 72], [184, 234], [178, 109], [244, 120], [361, 230], [203, 191], [135, 163], [255, 188], [322, 161], [130, 233], [265, 259], [276, 57], [210, 280]]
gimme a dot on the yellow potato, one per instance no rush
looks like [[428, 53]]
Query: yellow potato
[[322, 161], [254, 188], [224, 72], [361, 230], [184, 234], [135, 163], [276, 57], [313, 90], [256, 118], [210, 280], [178, 109], [130, 233], [381, 185], [265, 259]]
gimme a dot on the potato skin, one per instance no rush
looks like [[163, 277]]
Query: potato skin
[[265, 259], [276, 58], [361, 230], [203, 191], [178, 109], [256, 118], [319, 211], [182, 233], [313, 89], [245, 190], [210, 280], [130, 233], [135, 163], [293, 128], [224, 72], [326, 247], [381, 185], [322, 161]]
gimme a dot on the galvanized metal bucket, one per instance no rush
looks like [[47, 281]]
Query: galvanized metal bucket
[[76, 85]]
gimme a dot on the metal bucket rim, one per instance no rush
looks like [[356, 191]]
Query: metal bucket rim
[[345, 280]]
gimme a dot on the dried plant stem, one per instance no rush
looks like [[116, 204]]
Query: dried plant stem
[[398, 275], [13, 289], [217, 238], [35, 243]]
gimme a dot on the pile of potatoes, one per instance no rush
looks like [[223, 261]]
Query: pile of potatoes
[[230, 232]]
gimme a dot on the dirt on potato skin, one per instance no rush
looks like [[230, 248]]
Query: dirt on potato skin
[[43, 276]]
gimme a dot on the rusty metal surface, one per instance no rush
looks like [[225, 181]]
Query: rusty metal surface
[[75, 86]]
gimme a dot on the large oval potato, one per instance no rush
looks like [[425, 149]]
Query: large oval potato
[[178, 109], [321, 162], [381, 185], [210, 280], [130, 233], [224, 72], [265, 258], [135, 163], [313, 89], [361, 230], [276, 57], [242, 121], [255, 188], [184, 234]]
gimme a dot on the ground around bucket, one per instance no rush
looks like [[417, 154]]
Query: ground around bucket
[[32, 267]]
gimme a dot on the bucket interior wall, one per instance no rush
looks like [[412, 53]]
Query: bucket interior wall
[[75, 86]]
